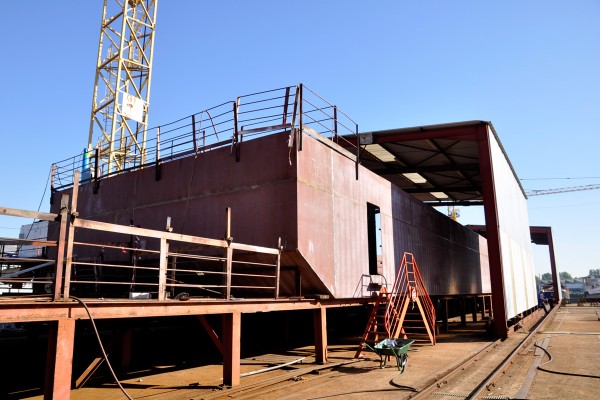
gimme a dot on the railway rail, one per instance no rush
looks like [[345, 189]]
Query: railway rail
[[475, 379]]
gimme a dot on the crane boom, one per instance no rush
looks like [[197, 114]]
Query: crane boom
[[561, 190]]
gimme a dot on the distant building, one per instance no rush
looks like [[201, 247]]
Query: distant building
[[36, 231], [574, 286]]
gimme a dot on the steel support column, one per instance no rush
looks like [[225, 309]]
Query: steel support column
[[555, 275], [126, 342], [232, 328], [59, 361], [493, 236], [320, 317]]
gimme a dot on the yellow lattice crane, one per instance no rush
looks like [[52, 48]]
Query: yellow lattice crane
[[119, 118]]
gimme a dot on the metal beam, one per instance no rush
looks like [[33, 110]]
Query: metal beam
[[320, 318], [493, 234], [59, 361], [36, 310]]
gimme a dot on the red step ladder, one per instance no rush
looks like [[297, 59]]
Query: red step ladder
[[404, 312]]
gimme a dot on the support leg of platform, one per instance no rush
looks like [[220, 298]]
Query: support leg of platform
[[232, 328], [59, 361], [474, 310], [445, 315], [320, 317], [463, 312], [126, 341]]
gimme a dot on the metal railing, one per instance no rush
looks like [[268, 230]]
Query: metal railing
[[294, 109], [108, 260]]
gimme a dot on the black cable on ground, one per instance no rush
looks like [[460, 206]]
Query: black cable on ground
[[102, 347], [404, 387], [559, 372]]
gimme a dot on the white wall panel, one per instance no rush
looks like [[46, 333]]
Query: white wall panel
[[515, 238]]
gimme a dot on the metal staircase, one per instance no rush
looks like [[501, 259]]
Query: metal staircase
[[406, 311]]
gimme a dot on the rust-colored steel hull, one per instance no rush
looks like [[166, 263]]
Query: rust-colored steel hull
[[311, 199]]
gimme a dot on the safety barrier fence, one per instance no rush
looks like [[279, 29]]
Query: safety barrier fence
[[99, 259], [295, 109]]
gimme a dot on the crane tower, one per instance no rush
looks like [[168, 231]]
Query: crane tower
[[119, 117]]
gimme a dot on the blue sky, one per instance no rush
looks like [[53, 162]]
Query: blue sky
[[530, 67]]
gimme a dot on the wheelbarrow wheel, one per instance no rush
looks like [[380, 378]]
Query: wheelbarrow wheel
[[402, 359]]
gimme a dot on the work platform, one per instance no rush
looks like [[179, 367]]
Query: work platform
[[572, 341]]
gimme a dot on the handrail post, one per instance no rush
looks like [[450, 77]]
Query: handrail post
[[162, 269], [194, 133], [71, 237], [299, 138], [235, 122], [52, 186], [157, 160], [228, 254], [357, 151], [277, 268], [96, 166], [285, 104], [157, 144], [60, 252], [335, 124]]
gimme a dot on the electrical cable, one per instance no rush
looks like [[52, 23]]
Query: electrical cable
[[102, 347], [558, 372], [403, 387]]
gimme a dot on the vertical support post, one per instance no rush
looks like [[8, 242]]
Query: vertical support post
[[126, 341], [59, 361], [228, 254], [194, 133], [60, 252], [278, 268], [357, 151], [71, 237], [162, 269], [293, 130], [173, 270], [52, 178], [157, 144], [483, 306], [445, 315], [235, 141], [320, 318], [463, 312], [232, 329], [555, 276], [335, 124], [492, 230], [285, 105], [96, 166], [299, 138], [474, 310]]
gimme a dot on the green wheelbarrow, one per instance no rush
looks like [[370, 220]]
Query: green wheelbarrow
[[392, 347]]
